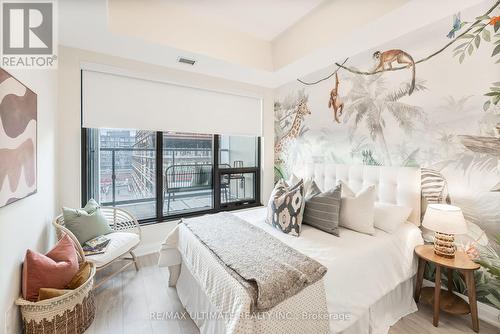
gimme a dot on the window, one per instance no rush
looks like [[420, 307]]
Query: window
[[237, 187], [124, 164], [161, 175], [187, 165], [238, 165], [238, 151]]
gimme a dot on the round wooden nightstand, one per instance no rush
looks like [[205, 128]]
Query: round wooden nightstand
[[442, 299]]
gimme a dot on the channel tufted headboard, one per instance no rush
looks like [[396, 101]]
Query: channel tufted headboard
[[396, 185]]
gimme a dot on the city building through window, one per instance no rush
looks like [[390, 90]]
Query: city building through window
[[162, 175]]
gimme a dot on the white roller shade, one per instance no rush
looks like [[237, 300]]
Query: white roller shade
[[116, 101]]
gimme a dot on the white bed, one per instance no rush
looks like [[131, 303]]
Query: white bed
[[367, 288]]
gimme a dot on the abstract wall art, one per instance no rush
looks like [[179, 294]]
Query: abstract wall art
[[18, 140]]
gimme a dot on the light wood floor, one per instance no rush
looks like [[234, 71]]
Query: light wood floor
[[124, 305]]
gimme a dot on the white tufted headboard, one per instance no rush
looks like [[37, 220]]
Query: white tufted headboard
[[396, 185]]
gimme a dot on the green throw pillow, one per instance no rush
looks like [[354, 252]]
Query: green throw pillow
[[86, 223]]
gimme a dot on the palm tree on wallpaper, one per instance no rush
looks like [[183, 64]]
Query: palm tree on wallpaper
[[459, 157], [453, 105], [369, 102]]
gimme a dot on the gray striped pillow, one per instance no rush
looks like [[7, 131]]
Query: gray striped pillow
[[323, 209]]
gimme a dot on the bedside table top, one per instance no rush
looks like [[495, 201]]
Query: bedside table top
[[460, 261]]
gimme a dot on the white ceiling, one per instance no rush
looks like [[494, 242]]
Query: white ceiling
[[84, 25], [263, 19]]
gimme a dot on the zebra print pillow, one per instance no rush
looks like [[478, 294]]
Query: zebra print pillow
[[284, 210], [434, 189]]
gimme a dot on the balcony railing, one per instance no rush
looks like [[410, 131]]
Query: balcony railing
[[128, 175]]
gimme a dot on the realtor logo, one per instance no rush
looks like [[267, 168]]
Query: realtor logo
[[28, 34]]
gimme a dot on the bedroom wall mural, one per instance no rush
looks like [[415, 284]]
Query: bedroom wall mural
[[18, 123], [428, 99]]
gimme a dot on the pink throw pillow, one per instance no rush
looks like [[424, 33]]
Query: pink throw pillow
[[52, 270]]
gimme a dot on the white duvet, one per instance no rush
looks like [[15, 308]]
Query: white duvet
[[361, 268]]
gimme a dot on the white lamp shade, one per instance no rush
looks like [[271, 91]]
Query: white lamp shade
[[444, 218]]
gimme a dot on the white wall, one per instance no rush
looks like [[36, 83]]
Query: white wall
[[70, 63], [26, 223]]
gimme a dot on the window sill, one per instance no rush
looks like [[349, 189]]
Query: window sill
[[173, 218]]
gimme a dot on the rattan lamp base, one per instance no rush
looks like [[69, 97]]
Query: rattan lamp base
[[444, 245]]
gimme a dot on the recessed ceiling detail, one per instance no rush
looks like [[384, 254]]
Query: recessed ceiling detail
[[261, 42], [264, 34], [262, 19]]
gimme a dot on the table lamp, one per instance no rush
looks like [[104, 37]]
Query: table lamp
[[445, 221]]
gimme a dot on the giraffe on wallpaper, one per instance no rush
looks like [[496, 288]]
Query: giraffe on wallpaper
[[302, 111]]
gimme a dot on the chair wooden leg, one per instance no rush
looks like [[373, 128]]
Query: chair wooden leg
[[134, 258]]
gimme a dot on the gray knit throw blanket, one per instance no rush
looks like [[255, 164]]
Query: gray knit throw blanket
[[270, 270]]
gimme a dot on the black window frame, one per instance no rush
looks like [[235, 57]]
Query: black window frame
[[86, 176]]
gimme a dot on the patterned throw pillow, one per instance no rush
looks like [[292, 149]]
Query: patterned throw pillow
[[294, 179], [323, 209], [284, 210]]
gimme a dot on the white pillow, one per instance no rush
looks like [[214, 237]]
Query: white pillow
[[389, 217], [357, 210]]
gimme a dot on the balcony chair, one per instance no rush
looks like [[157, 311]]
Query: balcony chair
[[195, 179], [240, 178], [125, 237]]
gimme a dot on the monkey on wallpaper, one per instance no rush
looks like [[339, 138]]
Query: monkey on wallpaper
[[390, 56], [335, 103]]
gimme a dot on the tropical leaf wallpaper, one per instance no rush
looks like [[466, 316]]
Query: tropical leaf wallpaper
[[429, 99]]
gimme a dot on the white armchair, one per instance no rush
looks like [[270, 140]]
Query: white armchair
[[125, 237]]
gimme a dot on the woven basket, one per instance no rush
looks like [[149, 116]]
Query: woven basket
[[71, 313]]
